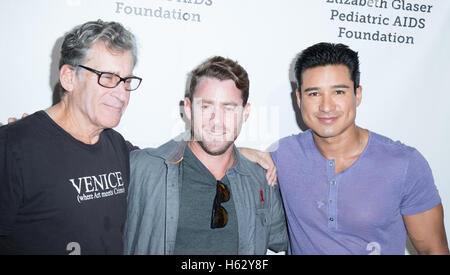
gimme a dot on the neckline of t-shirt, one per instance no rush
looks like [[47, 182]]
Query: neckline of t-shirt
[[68, 136], [199, 167], [195, 164], [357, 161]]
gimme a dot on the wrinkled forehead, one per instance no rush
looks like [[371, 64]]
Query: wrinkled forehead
[[109, 59]]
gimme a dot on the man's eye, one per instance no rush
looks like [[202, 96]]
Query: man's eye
[[313, 94], [229, 108], [107, 76], [340, 92]]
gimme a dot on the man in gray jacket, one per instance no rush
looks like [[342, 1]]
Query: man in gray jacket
[[197, 194]]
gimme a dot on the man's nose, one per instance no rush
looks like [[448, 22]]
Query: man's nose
[[217, 115], [120, 92], [327, 103]]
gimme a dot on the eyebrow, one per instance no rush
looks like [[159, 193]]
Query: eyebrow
[[311, 89], [229, 103], [341, 86], [221, 103], [131, 75], [116, 73]]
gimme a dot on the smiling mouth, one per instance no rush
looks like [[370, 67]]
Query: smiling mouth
[[117, 108], [217, 134], [327, 120]]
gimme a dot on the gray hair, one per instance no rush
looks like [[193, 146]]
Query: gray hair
[[79, 40]]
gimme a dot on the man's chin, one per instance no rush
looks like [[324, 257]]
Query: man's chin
[[109, 120], [328, 132], [109, 124], [215, 150]]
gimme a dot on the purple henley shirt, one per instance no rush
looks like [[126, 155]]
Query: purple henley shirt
[[361, 209]]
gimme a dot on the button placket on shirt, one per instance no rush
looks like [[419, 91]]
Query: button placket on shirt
[[332, 195]]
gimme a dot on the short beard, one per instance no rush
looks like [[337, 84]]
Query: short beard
[[218, 153]]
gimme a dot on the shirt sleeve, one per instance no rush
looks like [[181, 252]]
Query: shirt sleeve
[[278, 230], [130, 146], [273, 155], [10, 183], [419, 193]]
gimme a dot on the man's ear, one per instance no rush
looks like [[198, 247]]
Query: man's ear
[[188, 108], [67, 77], [299, 98], [247, 108], [358, 95]]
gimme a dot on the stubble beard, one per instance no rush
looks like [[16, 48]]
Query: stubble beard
[[218, 152]]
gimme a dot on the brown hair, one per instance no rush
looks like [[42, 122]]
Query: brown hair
[[222, 69]]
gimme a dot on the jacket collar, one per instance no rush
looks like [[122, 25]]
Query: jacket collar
[[174, 152]]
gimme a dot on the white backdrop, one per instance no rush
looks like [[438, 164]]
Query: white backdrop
[[403, 47]]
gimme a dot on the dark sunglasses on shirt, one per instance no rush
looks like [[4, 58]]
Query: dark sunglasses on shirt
[[219, 216]]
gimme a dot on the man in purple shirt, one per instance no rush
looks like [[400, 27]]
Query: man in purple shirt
[[347, 190]]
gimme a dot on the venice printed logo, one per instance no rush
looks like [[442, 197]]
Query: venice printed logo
[[96, 187]]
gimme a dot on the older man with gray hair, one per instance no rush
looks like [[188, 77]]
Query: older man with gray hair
[[64, 173]]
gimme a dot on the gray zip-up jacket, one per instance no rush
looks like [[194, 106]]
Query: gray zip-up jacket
[[154, 200]]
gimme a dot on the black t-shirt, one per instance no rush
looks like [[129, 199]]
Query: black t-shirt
[[59, 195]]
